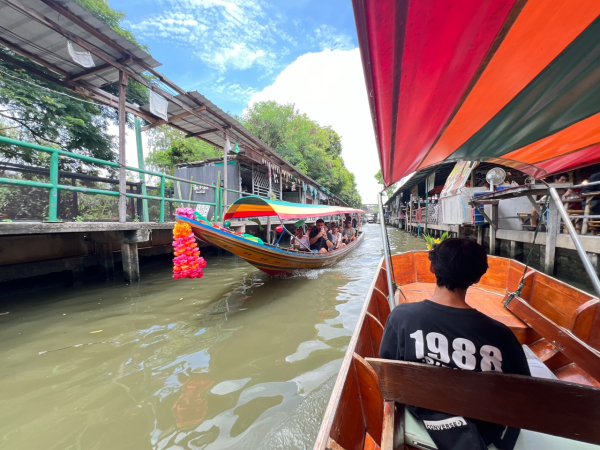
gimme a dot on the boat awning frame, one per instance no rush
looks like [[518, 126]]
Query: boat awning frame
[[253, 206]]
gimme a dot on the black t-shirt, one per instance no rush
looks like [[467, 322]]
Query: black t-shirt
[[321, 242], [458, 338], [466, 339]]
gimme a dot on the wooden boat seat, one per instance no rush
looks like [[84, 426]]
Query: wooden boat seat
[[417, 436], [510, 399]]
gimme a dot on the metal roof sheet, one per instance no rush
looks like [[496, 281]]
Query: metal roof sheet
[[25, 33]]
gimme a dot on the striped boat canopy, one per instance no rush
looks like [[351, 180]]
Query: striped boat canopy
[[513, 82], [252, 206]]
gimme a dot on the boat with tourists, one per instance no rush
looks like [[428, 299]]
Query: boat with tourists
[[495, 81], [272, 258]]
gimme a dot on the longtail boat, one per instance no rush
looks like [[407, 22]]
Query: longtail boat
[[511, 82], [556, 322], [272, 259]]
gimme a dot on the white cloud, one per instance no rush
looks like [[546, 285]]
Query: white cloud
[[329, 87], [328, 38], [226, 34]]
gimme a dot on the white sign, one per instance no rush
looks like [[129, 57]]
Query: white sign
[[82, 58], [202, 209], [198, 189], [431, 182], [158, 105]]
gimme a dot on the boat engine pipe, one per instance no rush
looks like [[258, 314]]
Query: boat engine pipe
[[386, 255], [584, 259]]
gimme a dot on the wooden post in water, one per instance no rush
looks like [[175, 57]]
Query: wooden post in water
[[493, 228], [122, 142], [552, 227]]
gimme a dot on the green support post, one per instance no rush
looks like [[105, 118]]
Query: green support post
[[53, 198], [162, 197], [140, 153]]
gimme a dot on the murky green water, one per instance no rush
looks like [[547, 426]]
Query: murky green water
[[236, 360]]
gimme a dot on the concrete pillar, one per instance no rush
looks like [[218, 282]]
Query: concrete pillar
[[106, 261], [552, 226], [593, 257], [493, 226], [131, 263], [516, 250]]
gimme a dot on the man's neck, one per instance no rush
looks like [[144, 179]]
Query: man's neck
[[446, 297]]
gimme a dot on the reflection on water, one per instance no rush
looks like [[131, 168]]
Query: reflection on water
[[234, 360]]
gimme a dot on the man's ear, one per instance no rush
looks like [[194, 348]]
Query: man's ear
[[431, 268]]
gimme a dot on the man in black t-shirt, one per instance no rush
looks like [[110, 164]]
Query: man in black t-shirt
[[446, 331], [320, 240]]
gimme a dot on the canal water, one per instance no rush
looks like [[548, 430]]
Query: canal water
[[235, 360]]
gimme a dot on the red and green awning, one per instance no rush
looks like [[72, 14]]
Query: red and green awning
[[259, 207], [516, 82]]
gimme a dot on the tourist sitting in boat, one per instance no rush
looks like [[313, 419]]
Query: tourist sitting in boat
[[348, 233], [300, 241], [445, 331], [336, 236], [320, 239]]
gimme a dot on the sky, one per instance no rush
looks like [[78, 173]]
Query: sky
[[236, 52]]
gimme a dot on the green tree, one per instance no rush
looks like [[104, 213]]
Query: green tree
[[313, 149], [170, 147], [390, 190], [113, 18], [36, 110]]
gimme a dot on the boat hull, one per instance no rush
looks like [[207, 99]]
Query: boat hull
[[269, 259], [557, 309]]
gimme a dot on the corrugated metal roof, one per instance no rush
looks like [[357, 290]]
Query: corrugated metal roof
[[25, 33]]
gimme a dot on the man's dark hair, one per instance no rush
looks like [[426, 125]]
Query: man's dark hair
[[320, 221], [458, 263], [558, 176]]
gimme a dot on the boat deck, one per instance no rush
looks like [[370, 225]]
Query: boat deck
[[488, 300]]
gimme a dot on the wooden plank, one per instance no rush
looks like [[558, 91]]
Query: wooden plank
[[584, 323], [497, 273], [332, 445], [94, 70], [585, 356], [174, 118], [556, 300], [392, 435], [370, 396], [546, 406], [383, 305], [376, 332], [332, 424], [423, 268], [370, 443]]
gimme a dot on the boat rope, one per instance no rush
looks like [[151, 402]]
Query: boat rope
[[517, 292]]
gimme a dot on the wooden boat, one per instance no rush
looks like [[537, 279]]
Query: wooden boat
[[556, 322], [496, 81], [271, 259]]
